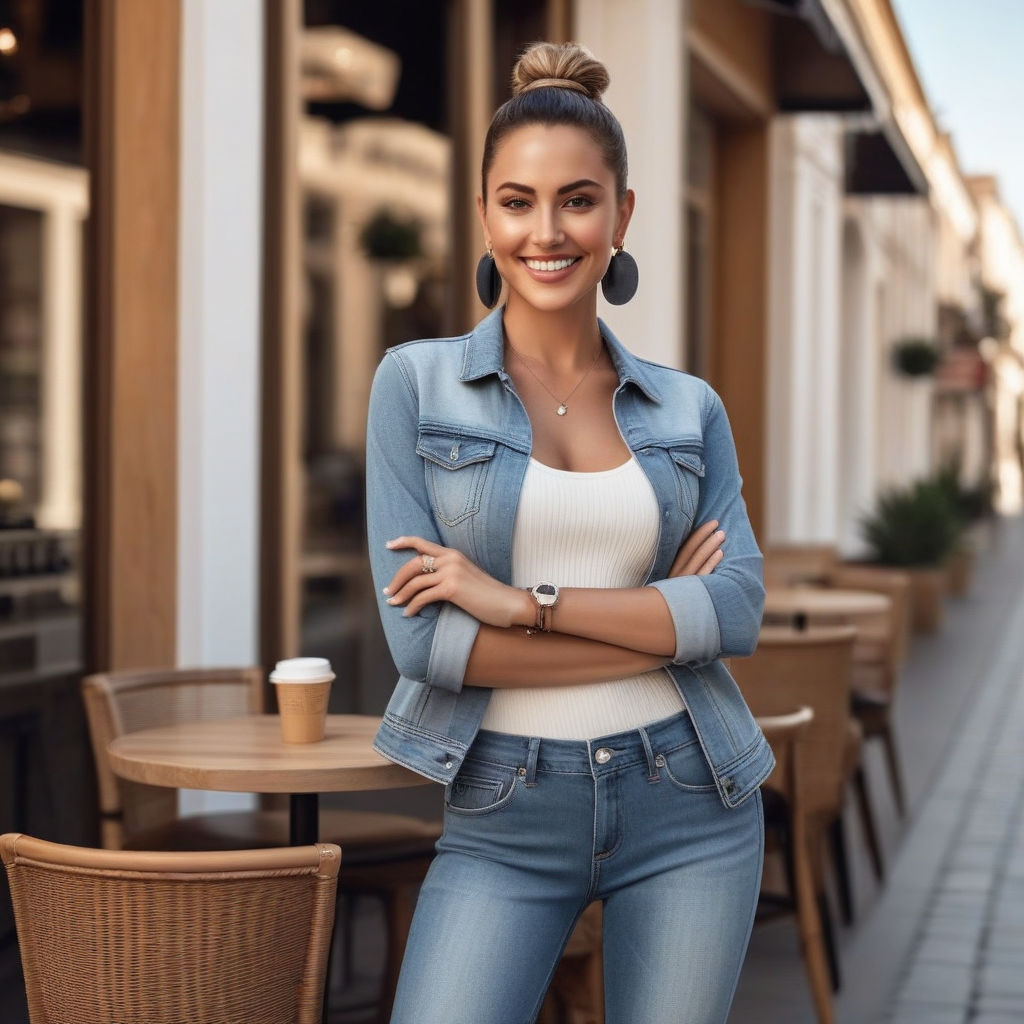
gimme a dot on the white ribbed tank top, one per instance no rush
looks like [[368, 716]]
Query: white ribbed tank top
[[584, 530]]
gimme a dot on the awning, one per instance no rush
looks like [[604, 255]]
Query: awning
[[816, 71], [879, 162], [813, 71]]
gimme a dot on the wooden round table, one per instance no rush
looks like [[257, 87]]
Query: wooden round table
[[822, 605], [247, 755]]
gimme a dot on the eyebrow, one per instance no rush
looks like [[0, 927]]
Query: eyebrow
[[571, 187]]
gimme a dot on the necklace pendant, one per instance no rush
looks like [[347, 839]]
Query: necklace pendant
[[562, 409]]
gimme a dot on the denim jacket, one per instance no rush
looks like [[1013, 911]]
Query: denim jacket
[[448, 444]]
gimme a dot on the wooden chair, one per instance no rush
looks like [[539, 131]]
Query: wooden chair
[[791, 565], [808, 668], [786, 733], [209, 938], [878, 658], [386, 855]]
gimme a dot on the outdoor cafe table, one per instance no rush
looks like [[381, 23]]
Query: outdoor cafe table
[[247, 755], [822, 606]]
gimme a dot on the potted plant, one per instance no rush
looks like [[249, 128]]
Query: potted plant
[[969, 503], [915, 529], [915, 357]]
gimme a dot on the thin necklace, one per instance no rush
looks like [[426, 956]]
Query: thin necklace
[[563, 403]]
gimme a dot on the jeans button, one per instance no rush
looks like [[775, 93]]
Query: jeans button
[[602, 755]]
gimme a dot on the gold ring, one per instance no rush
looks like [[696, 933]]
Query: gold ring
[[428, 563]]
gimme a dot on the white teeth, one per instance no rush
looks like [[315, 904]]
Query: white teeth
[[550, 264]]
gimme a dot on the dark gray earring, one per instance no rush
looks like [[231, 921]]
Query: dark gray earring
[[620, 280], [488, 280]]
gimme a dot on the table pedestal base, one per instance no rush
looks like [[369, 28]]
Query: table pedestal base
[[303, 819]]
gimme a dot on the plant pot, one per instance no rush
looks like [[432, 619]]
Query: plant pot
[[927, 589], [959, 570]]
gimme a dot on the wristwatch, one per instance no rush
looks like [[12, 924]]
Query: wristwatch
[[546, 596]]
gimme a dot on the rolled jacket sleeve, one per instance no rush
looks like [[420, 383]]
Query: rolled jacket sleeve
[[719, 615], [432, 647]]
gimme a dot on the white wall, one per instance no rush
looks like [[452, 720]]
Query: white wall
[[803, 440], [219, 343], [641, 44]]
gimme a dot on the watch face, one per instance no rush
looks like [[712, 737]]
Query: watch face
[[546, 593]]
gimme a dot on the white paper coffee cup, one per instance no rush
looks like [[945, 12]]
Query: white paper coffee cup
[[303, 689]]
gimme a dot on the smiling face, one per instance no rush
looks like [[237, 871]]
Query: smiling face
[[552, 215]]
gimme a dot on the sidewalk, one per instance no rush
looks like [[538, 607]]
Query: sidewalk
[[943, 940]]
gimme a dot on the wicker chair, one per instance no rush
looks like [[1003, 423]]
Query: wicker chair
[[878, 657], [808, 668], [790, 565], [785, 733], [209, 938], [386, 855]]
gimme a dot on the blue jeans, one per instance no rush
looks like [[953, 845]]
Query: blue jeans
[[534, 830]]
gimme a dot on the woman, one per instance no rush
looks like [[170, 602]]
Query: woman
[[556, 618]]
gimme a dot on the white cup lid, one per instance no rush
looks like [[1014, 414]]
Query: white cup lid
[[299, 670]]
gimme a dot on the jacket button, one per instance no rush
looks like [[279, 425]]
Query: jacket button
[[448, 765], [729, 785], [602, 755], [454, 453]]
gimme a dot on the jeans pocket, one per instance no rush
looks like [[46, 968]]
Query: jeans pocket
[[480, 789], [687, 768]]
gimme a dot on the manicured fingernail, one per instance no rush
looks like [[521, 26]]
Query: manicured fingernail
[[391, 600], [386, 590], [720, 535], [391, 543]]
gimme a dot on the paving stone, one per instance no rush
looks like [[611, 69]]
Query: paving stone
[[922, 1013], [998, 1004], [1000, 980], [942, 984], [967, 880], [947, 950]]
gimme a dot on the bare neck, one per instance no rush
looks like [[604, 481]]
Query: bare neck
[[564, 339]]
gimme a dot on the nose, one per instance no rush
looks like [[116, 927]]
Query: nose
[[547, 229]]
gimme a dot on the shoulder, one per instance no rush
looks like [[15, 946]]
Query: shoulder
[[423, 352], [420, 359], [678, 387]]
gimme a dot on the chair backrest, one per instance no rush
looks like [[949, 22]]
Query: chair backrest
[[882, 645], [121, 702], [209, 938], [790, 565], [806, 668], [785, 733]]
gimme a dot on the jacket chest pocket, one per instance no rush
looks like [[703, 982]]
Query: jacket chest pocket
[[455, 466], [687, 462]]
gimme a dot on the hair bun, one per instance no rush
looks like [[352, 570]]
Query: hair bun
[[561, 65]]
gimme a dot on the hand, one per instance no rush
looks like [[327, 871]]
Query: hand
[[700, 552], [457, 579]]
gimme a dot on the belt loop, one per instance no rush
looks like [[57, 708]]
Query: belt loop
[[653, 775], [531, 761]]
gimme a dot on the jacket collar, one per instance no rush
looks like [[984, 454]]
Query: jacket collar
[[485, 350]]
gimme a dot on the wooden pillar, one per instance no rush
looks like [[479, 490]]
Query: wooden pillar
[[471, 102], [738, 357], [130, 365], [282, 496]]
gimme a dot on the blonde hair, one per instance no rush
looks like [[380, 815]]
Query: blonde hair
[[568, 65], [559, 83]]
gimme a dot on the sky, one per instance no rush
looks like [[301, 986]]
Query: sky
[[969, 55]]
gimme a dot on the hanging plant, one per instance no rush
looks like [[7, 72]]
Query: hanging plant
[[915, 357], [386, 236]]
